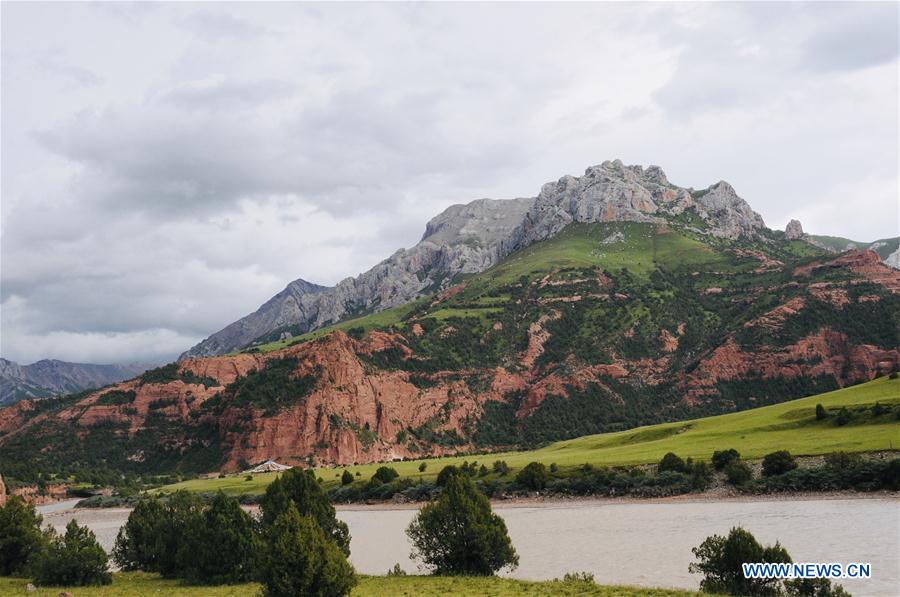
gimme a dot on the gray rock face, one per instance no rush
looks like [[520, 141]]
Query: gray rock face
[[50, 378], [794, 230], [893, 260], [293, 304], [472, 237], [613, 192]]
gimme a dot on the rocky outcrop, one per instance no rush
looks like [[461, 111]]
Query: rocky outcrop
[[824, 354], [2, 491], [52, 492], [893, 260], [794, 230], [472, 237], [614, 192], [865, 264], [51, 378]]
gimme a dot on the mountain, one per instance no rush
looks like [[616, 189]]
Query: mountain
[[51, 378], [292, 304], [470, 238], [618, 300]]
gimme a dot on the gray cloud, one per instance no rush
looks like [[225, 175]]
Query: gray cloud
[[199, 158]]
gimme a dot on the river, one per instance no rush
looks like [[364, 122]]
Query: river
[[630, 542]]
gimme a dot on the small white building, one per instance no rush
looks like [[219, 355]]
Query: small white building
[[269, 466]]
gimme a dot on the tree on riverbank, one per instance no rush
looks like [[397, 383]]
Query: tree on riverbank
[[20, 535], [298, 558], [720, 561], [75, 559], [300, 488], [459, 533]]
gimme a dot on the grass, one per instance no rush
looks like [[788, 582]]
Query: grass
[[442, 314], [754, 433], [128, 584], [641, 249]]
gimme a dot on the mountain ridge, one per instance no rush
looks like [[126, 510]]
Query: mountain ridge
[[51, 377], [601, 327], [469, 238]]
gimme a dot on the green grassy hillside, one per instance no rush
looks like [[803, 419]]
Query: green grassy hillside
[[788, 426]]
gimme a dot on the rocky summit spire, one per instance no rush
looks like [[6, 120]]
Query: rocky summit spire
[[794, 230]]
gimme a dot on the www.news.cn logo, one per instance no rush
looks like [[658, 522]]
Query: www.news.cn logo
[[807, 570]]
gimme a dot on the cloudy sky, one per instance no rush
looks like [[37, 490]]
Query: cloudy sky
[[168, 167]]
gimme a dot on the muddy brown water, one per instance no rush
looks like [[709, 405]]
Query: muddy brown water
[[631, 543]]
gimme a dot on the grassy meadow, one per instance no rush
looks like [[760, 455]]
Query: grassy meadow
[[754, 433], [129, 584]]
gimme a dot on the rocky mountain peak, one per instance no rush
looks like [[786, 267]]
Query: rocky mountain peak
[[793, 230], [613, 191]]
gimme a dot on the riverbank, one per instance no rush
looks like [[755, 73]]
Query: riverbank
[[712, 496], [128, 584]]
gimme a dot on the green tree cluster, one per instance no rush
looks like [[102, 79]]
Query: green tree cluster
[[75, 559], [21, 538]]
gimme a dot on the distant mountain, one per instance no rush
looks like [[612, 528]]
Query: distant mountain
[[292, 304], [467, 239], [51, 378]]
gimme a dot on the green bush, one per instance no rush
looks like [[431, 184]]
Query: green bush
[[385, 474], [396, 570], [218, 546], [671, 462], [20, 535], [459, 534], [346, 478], [843, 417], [75, 559], [301, 488], [778, 463], [813, 587], [446, 473], [533, 476], [500, 467], [423, 466], [738, 473], [721, 459], [720, 558], [298, 558], [841, 461], [152, 538], [140, 540], [700, 474], [821, 413]]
